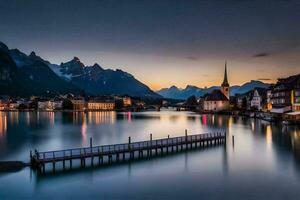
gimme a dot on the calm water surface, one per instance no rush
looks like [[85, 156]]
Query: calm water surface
[[263, 164]]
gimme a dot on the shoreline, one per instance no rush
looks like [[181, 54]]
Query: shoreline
[[266, 116], [12, 166]]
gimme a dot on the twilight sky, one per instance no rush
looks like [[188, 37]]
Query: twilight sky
[[161, 42]]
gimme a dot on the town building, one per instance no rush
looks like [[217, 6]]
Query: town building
[[269, 98], [256, 101], [100, 105], [296, 98], [78, 104], [4, 105], [127, 102], [218, 100], [13, 105], [45, 105], [285, 95], [49, 105]]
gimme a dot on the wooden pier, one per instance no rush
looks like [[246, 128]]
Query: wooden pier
[[109, 154]]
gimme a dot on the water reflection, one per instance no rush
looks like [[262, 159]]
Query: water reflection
[[101, 117], [83, 130], [295, 141], [13, 117], [265, 154], [17, 129], [269, 136], [3, 124]]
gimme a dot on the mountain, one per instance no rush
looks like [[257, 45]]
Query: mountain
[[22, 74], [247, 87], [8, 71], [98, 81], [177, 93], [33, 77]]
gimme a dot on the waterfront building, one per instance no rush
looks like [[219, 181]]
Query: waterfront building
[[218, 100], [256, 101], [45, 105], [4, 105], [100, 105], [13, 105], [127, 102], [78, 104], [269, 98], [285, 95], [296, 98], [242, 101]]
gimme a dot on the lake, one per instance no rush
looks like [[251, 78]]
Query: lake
[[264, 162]]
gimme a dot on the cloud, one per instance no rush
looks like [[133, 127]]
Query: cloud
[[193, 58], [263, 54], [264, 79]]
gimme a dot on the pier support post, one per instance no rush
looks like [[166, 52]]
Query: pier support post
[[186, 140], [150, 144], [53, 163], [43, 166]]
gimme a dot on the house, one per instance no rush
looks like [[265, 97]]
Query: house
[[243, 101], [285, 95], [78, 104], [216, 101], [296, 98], [45, 105], [13, 105], [127, 101], [4, 105], [256, 101]]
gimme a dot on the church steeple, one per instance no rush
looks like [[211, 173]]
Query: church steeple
[[225, 84], [225, 81]]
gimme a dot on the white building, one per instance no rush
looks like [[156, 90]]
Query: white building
[[45, 105], [216, 101], [49, 105], [256, 101]]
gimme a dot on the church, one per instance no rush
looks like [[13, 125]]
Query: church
[[218, 100]]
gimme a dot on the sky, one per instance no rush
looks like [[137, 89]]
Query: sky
[[161, 42]]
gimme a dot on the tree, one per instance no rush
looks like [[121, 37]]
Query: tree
[[67, 104], [191, 101]]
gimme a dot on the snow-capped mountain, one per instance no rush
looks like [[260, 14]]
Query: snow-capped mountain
[[23, 74], [98, 81]]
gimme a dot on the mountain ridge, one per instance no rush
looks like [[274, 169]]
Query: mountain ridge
[[189, 90], [23, 74]]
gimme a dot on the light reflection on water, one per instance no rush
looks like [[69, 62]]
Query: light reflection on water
[[264, 159]]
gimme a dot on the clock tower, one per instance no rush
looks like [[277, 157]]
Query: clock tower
[[225, 84]]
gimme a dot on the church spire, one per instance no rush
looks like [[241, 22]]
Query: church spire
[[225, 81]]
